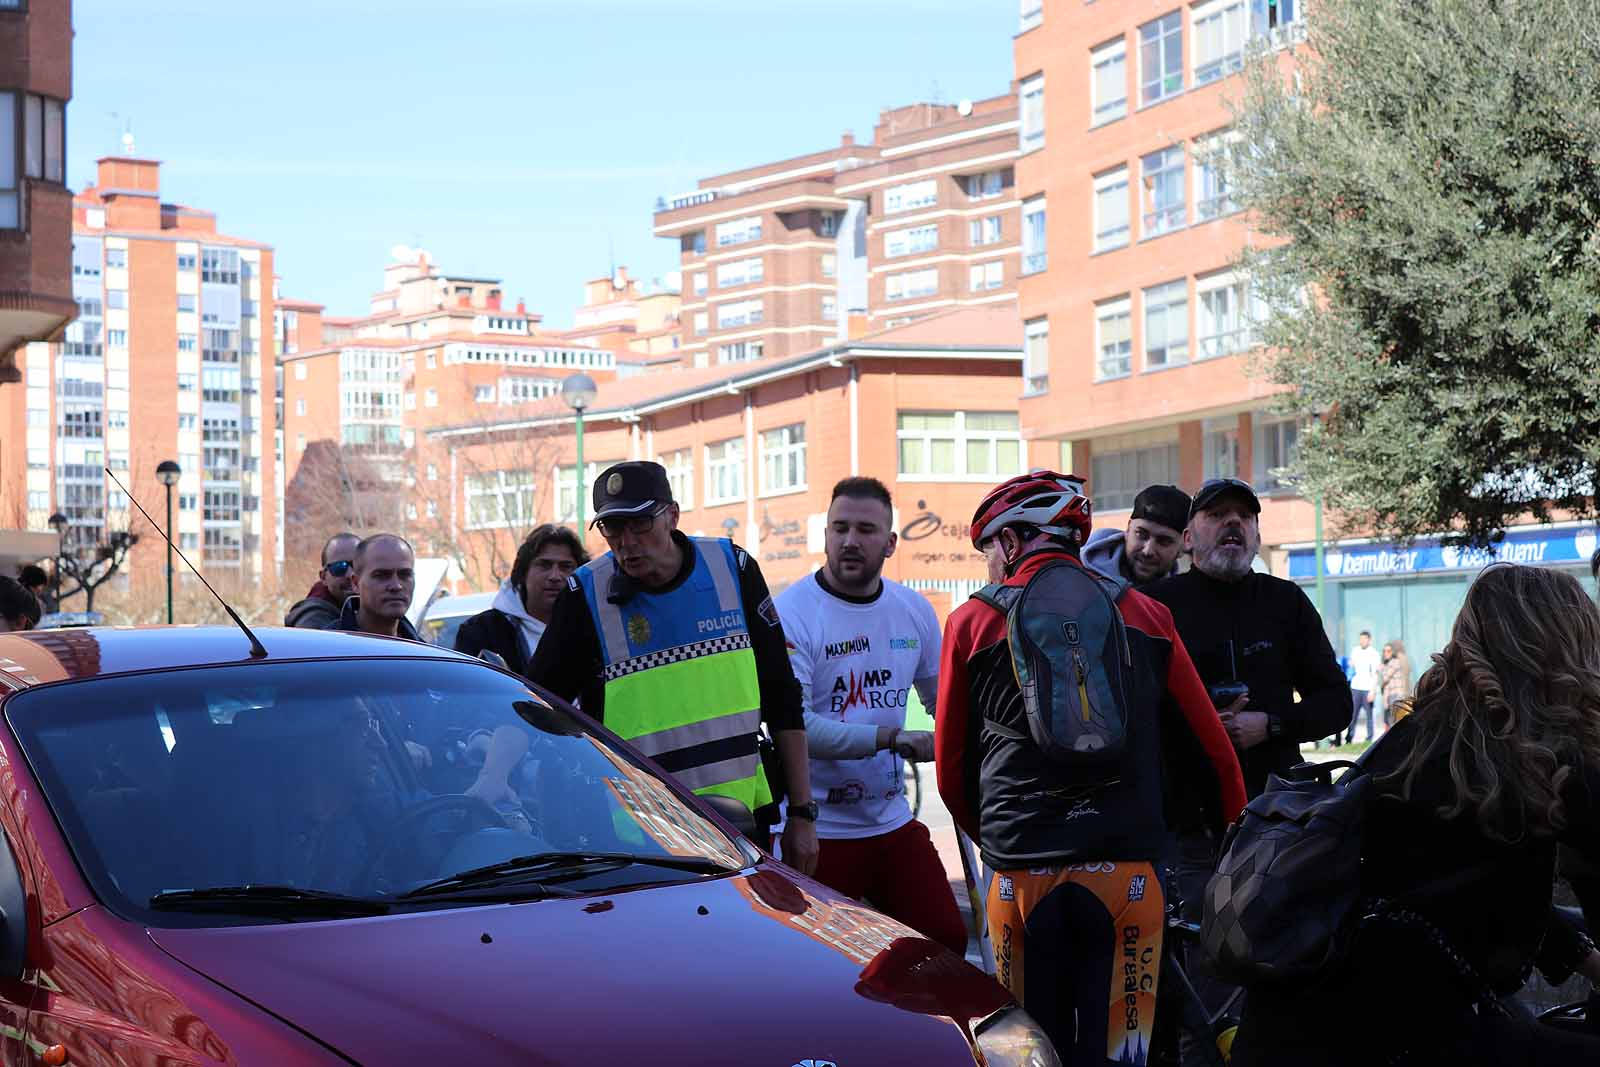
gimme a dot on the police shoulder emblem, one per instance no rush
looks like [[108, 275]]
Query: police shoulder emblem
[[638, 629], [614, 483]]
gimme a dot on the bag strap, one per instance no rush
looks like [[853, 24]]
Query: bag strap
[[1000, 597]]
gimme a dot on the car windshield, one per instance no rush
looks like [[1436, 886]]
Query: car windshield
[[363, 778], [441, 630]]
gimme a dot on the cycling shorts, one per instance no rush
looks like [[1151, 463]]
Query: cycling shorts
[[1079, 946]]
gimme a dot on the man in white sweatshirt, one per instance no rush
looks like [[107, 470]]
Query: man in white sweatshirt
[[514, 623], [859, 643]]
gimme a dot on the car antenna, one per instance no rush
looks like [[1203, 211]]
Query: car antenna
[[257, 649]]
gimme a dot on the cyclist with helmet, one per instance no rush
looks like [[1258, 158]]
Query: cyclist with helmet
[[1076, 910]]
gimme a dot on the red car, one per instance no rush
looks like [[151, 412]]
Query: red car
[[358, 850]]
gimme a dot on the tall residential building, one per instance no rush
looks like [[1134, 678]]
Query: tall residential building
[[435, 348], [762, 251], [168, 360], [1137, 328], [943, 228], [35, 204], [640, 324]]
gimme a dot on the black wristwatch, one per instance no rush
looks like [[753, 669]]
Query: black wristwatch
[[1274, 727], [804, 811]]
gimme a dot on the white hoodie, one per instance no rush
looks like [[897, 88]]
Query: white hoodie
[[529, 629]]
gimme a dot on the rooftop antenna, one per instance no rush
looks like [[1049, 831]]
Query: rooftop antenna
[[257, 649], [125, 140]]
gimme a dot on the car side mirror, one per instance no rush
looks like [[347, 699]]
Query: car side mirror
[[13, 916], [493, 658], [733, 812]]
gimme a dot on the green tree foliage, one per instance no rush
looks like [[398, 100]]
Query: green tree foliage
[[1433, 171]]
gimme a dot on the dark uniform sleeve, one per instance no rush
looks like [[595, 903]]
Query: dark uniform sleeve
[[472, 637], [782, 707], [1324, 705], [567, 661]]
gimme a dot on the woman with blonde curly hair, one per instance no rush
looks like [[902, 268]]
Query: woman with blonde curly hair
[[1497, 764]]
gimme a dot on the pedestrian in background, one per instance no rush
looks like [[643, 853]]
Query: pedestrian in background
[[33, 578], [515, 622], [19, 609], [385, 578], [335, 581], [1364, 663], [1148, 550], [1394, 678]]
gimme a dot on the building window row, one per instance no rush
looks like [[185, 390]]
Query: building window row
[[909, 242], [959, 444], [985, 231], [910, 196], [911, 284], [739, 313], [537, 357], [1165, 192], [739, 231], [740, 272], [740, 351], [982, 277], [501, 498], [1224, 317]]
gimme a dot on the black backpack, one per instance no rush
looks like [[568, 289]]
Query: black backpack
[[1072, 661]]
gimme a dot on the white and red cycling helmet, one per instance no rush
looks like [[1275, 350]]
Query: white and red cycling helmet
[[1048, 501]]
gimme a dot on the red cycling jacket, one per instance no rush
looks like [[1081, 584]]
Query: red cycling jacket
[[1021, 808]]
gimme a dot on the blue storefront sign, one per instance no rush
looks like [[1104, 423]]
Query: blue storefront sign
[[1539, 545]]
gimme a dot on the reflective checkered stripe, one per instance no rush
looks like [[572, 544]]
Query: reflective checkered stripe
[[692, 706]]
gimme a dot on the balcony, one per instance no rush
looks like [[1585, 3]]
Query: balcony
[[36, 274]]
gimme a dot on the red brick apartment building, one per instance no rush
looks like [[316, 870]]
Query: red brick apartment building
[[35, 243], [165, 361], [753, 450], [1137, 326]]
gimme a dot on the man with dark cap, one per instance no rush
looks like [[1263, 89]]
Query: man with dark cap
[[1148, 549], [673, 642]]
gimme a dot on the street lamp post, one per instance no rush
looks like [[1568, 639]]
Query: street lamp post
[[578, 391], [168, 472], [59, 522]]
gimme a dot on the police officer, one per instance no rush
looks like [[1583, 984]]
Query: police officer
[[673, 642]]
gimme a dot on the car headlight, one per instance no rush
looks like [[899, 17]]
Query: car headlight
[[1010, 1038]]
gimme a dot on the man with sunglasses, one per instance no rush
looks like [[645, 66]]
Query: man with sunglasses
[[673, 642], [335, 581]]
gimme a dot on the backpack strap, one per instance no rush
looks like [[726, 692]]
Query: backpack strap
[[999, 597]]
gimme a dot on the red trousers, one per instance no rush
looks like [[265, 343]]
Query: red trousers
[[901, 875]]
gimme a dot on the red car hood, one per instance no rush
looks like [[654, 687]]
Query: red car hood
[[758, 968]]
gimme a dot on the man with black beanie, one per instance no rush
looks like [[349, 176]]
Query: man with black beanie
[[1148, 550]]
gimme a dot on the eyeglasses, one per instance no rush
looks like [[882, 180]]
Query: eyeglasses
[[339, 567], [634, 524]]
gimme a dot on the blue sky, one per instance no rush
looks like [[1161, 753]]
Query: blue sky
[[521, 139]]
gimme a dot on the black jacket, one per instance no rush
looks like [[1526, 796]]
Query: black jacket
[[1264, 632], [350, 619], [496, 631]]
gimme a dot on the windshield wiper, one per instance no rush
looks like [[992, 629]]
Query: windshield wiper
[[556, 866], [280, 900]]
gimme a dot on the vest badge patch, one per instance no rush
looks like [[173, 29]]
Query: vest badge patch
[[638, 629]]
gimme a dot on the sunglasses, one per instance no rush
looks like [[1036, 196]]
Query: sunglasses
[[634, 524], [339, 567]]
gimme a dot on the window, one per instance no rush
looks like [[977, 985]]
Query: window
[[725, 471], [1032, 14], [10, 184], [911, 284], [189, 342], [829, 261], [702, 323], [783, 459], [1162, 177], [830, 309], [740, 272], [1108, 82], [1122, 466], [701, 282], [984, 231], [568, 487], [739, 313], [188, 501], [1274, 19], [1035, 357], [983, 276], [909, 242], [1276, 443], [432, 473], [299, 372], [739, 352], [1218, 28], [1031, 95], [408, 401], [186, 302], [187, 421], [959, 444], [483, 394], [117, 298], [680, 476], [299, 407], [828, 223], [188, 383], [1161, 58], [500, 498], [1221, 327], [912, 195], [1111, 210], [1113, 328], [1220, 440], [186, 261], [42, 134], [219, 265], [988, 185], [430, 398], [117, 259], [739, 231], [1212, 198], [1166, 324], [1033, 246], [431, 361]]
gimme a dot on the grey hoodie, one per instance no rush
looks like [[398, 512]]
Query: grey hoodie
[[1105, 552]]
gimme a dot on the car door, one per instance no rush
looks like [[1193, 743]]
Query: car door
[[16, 987]]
